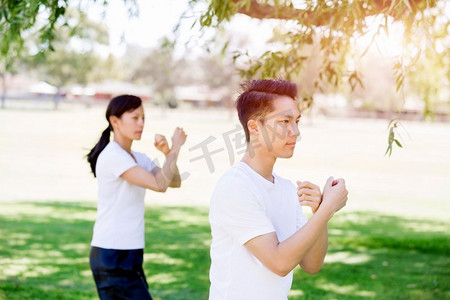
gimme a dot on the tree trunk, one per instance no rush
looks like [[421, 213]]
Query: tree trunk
[[3, 90], [57, 98]]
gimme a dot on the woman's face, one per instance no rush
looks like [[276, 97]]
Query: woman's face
[[131, 124]]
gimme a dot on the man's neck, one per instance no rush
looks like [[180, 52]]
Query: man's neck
[[262, 164]]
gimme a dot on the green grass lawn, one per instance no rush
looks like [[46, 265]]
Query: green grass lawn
[[44, 255], [391, 241]]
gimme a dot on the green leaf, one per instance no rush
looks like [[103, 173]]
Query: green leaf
[[399, 84], [391, 7], [407, 4], [193, 24], [398, 143], [386, 30], [391, 136], [388, 150], [224, 48]]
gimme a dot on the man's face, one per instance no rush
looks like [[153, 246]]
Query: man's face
[[278, 131]]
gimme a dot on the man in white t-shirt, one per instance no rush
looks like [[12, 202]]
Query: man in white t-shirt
[[259, 232]]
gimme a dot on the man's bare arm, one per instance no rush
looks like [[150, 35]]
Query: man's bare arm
[[281, 258]]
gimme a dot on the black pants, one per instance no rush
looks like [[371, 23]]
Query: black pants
[[118, 274]]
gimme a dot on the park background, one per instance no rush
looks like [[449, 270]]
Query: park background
[[391, 241]]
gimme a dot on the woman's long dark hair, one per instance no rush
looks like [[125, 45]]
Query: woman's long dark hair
[[117, 106]]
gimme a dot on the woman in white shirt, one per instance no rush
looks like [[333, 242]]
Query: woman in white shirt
[[123, 176]]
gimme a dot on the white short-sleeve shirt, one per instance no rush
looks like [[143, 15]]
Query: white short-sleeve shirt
[[120, 209], [245, 205]]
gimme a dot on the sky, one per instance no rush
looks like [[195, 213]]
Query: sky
[[158, 18]]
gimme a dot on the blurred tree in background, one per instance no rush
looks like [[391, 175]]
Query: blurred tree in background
[[331, 28], [321, 33], [316, 44], [158, 69], [40, 19], [51, 40], [73, 57], [57, 40]]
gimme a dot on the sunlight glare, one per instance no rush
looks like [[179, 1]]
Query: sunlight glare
[[347, 290], [347, 258], [162, 258], [296, 293], [162, 278], [388, 43]]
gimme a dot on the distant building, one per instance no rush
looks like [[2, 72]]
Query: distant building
[[109, 89], [202, 95], [17, 86], [42, 88]]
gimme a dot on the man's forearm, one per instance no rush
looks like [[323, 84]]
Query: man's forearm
[[313, 260], [282, 258], [299, 246]]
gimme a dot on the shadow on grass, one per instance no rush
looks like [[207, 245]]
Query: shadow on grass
[[177, 245], [44, 251], [44, 255], [373, 256]]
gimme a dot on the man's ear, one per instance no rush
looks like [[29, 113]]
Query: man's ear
[[252, 126]]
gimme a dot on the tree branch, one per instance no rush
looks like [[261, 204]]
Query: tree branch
[[261, 11], [266, 11]]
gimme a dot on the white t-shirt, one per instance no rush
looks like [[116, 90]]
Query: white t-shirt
[[245, 205], [120, 209]]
